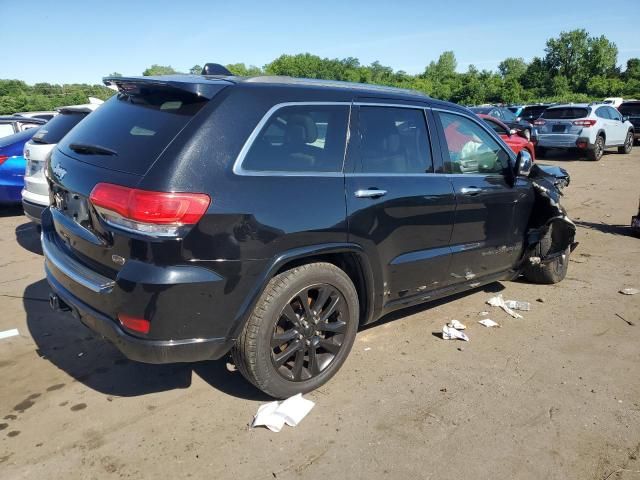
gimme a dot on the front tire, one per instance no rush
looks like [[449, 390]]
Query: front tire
[[598, 149], [550, 272], [628, 144], [300, 332]]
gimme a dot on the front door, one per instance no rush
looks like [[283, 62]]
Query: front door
[[398, 208], [486, 239]]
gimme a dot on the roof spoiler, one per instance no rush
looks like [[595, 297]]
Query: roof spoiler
[[200, 87], [215, 69]]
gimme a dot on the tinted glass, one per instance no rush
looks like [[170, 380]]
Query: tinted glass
[[533, 112], [630, 109], [58, 127], [499, 129], [470, 149], [614, 114], [136, 127], [567, 113], [484, 110], [507, 115], [301, 138], [393, 140], [603, 112]]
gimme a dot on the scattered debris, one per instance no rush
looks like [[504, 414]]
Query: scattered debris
[[275, 414], [449, 333], [9, 333], [483, 313], [366, 349], [628, 322], [457, 325], [487, 322], [518, 305], [81, 354], [629, 291], [461, 349], [540, 300], [498, 301]]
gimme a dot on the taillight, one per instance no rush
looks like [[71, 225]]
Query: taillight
[[539, 122], [148, 212], [585, 123], [3, 158], [136, 324]]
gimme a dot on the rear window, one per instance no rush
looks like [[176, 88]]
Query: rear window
[[630, 109], [532, 111], [58, 127], [565, 113], [129, 132]]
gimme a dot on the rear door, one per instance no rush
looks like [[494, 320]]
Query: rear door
[[491, 212], [398, 208], [617, 125]]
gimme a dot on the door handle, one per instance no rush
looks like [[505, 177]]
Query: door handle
[[370, 193], [470, 190]]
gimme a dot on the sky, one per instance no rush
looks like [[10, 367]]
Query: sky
[[70, 41]]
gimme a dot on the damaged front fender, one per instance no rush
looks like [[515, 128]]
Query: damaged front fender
[[550, 231]]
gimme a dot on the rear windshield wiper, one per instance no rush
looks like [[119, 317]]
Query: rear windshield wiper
[[91, 149]]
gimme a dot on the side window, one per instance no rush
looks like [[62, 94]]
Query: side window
[[603, 112], [507, 116], [499, 129], [470, 148], [393, 140], [614, 114], [300, 138], [496, 113]]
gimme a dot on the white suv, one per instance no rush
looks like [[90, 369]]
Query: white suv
[[588, 127], [35, 195]]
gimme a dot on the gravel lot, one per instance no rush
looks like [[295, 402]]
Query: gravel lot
[[555, 395]]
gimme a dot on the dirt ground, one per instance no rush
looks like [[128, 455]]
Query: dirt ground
[[555, 395]]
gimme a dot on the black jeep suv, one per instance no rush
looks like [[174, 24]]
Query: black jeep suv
[[196, 215]]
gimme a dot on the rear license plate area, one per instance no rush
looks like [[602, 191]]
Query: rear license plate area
[[72, 205], [557, 128]]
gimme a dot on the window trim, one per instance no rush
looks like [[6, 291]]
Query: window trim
[[478, 121], [237, 165]]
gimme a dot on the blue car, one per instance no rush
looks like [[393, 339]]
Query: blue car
[[12, 166]]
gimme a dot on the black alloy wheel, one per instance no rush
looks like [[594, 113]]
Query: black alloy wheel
[[309, 332]]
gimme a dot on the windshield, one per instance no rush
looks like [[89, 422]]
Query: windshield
[[630, 109], [565, 113]]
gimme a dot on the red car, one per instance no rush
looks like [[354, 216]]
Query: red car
[[515, 142]]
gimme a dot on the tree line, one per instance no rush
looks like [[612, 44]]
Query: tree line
[[575, 67]]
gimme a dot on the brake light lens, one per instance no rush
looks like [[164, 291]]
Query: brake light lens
[[136, 324], [539, 122], [148, 212], [3, 158], [585, 123]]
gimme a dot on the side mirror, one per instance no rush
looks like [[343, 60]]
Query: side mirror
[[625, 118], [524, 163]]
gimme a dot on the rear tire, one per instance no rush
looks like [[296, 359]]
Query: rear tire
[[282, 324], [598, 149], [550, 272], [628, 144]]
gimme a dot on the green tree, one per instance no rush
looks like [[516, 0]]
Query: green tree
[[195, 70], [158, 70], [512, 68], [633, 69], [566, 55], [241, 70], [114, 74]]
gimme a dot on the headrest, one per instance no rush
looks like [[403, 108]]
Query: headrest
[[301, 129]]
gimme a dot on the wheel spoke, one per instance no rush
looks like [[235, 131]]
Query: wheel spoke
[[313, 368], [330, 309], [329, 346], [297, 366], [303, 297], [336, 327], [282, 338], [281, 358], [323, 296], [290, 315]]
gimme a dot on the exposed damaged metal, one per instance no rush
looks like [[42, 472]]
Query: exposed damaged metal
[[551, 232]]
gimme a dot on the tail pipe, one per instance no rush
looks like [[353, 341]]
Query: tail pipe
[[57, 304]]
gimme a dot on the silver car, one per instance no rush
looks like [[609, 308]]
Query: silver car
[[588, 127], [35, 195]]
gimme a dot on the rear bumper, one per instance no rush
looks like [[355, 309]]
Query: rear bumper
[[134, 348], [33, 210], [564, 141], [191, 318]]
